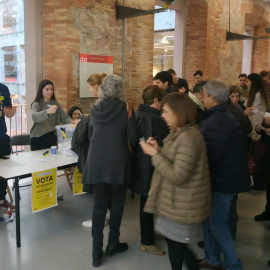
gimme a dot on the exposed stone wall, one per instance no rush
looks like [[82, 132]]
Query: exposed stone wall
[[71, 27]]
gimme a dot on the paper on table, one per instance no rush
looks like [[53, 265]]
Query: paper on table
[[37, 161]]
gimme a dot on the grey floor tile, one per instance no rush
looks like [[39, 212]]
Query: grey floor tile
[[54, 239]]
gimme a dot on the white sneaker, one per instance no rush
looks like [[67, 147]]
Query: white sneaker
[[87, 224]]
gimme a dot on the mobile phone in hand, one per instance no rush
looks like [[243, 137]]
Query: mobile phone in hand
[[142, 140]]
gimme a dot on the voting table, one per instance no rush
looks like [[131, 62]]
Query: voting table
[[23, 164]]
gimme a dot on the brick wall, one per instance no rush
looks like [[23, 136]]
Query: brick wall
[[260, 59], [206, 45], [196, 39], [71, 27]]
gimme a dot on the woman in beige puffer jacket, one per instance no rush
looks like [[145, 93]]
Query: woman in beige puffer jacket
[[180, 190]]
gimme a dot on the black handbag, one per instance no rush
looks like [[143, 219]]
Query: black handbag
[[5, 148]]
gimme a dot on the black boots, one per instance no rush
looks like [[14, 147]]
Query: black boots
[[110, 251], [119, 248], [97, 259]]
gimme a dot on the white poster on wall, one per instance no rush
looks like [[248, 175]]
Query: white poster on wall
[[90, 64]]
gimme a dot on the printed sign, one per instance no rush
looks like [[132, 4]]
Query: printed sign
[[77, 185], [44, 192], [90, 64]]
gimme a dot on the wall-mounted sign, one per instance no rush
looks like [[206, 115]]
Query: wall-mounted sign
[[90, 64]]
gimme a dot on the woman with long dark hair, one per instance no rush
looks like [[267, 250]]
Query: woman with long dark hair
[[46, 114], [257, 101]]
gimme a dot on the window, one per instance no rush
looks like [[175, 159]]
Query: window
[[164, 41], [9, 16], [10, 63], [12, 60]]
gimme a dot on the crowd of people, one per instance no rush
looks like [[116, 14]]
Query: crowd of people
[[187, 153]]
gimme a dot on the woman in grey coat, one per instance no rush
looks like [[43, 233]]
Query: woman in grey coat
[[108, 166]]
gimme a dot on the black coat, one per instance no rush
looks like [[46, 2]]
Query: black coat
[[199, 114], [108, 160], [171, 89], [227, 151], [150, 124], [181, 82], [80, 142], [242, 119]]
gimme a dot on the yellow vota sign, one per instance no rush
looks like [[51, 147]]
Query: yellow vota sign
[[77, 183], [44, 193]]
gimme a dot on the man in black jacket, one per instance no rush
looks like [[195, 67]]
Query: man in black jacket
[[150, 124], [196, 97], [227, 152], [164, 80], [178, 82], [264, 131]]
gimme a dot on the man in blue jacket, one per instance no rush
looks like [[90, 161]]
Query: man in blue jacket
[[5, 110], [226, 146]]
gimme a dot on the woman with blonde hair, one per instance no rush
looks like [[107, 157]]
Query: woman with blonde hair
[[94, 82]]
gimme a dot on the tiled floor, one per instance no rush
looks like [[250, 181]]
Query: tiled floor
[[54, 239]]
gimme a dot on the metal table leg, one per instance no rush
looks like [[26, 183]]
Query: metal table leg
[[17, 205]]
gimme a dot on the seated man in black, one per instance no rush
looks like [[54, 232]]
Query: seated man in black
[[5, 110], [178, 82], [164, 80]]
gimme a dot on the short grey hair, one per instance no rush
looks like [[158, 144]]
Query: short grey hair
[[112, 87], [218, 90]]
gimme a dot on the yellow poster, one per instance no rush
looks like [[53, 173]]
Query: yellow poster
[[77, 185], [44, 193]]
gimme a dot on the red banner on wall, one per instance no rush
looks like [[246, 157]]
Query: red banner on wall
[[89, 58]]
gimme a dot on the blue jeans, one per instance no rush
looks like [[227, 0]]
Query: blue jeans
[[233, 216], [217, 233]]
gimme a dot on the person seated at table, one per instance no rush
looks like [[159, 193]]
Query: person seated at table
[[75, 112], [46, 114], [3, 191], [5, 110]]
